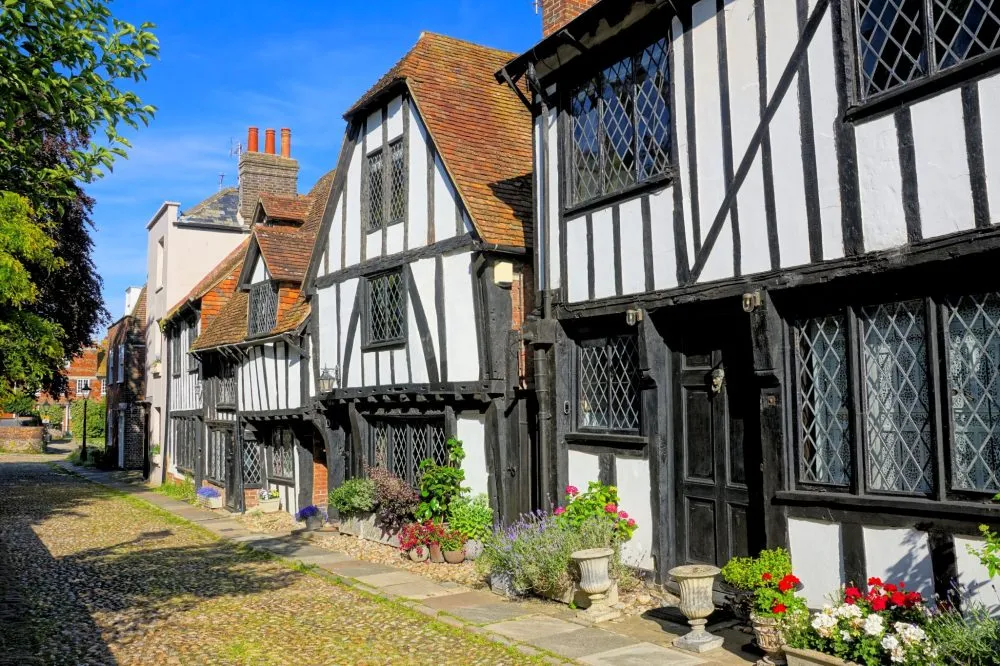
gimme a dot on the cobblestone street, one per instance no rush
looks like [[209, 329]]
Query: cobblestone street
[[89, 575]]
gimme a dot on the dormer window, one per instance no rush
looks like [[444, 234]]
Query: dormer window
[[620, 126], [263, 308], [385, 192]]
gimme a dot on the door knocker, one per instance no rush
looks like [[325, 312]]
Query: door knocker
[[718, 379]]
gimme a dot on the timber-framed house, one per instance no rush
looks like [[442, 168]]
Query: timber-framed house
[[417, 279], [765, 238]]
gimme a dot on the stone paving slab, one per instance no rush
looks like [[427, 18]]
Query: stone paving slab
[[463, 600], [582, 642], [490, 613], [388, 579], [355, 568], [641, 654], [421, 589], [532, 628]]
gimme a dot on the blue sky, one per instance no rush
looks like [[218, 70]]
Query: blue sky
[[227, 65]]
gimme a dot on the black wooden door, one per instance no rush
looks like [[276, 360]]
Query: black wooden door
[[718, 449], [234, 480]]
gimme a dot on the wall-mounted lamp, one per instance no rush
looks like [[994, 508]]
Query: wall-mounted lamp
[[329, 379], [633, 316]]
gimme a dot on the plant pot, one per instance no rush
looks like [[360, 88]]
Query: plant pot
[[454, 556], [595, 581], [269, 505], [473, 549], [769, 638], [419, 553], [211, 502], [695, 581], [436, 555], [800, 657], [503, 584], [313, 523]]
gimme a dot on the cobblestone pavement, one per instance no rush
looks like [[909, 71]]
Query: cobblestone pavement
[[92, 576]]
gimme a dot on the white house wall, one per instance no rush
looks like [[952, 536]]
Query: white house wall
[[185, 388], [270, 378], [471, 429], [783, 207]]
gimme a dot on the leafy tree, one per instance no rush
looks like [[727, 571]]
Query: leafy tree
[[96, 419], [63, 68], [22, 404]]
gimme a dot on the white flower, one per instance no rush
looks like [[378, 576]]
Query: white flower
[[896, 651], [824, 624], [873, 625], [910, 633], [846, 635], [847, 610]]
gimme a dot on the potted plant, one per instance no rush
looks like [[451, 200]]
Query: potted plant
[[742, 577], [413, 540], [886, 625], [440, 485], [355, 503], [433, 534], [267, 500], [395, 504], [210, 497], [474, 518], [312, 516], [773, 601], [452, 543]]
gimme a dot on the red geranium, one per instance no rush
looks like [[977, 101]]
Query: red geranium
[[898, 598], [766, 576], [879, 603], [889, 587], [787, 583], [779, 608], [610, 507], [851, 595], [874, 582]]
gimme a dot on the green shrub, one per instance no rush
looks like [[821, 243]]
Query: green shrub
[[96, 417], [989, 554], [440, 485], [97, 456], [20, 403], [598, 502], [395, 499], [353, 496], [969, 638], [747, 573], [184, 491], [472, 517]]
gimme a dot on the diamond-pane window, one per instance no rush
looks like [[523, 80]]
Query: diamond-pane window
[[965, 29], [897, 403], [824, 440], [218, 440], [973, 348], [891, 44], [375, 200], [609, 384], [397, 185], [386, 309], [281, 453], [400, 444], [263, 308], [251, 462], [620, 123]]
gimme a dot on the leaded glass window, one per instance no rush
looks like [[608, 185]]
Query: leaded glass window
[[375, 199], [190, 334], [252, 475], [397, 183], [386, 309], [973, 348], [608, 387], [263, 308], [215, 458], [175, 352], [281, 453], [824, 435], [620, 125], [894, 38], [400, 444], [185, 436]]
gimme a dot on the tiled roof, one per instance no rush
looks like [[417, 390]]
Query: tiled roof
[[286, 251], [282, 207], [139, 310], [216, 275], [228, 327], [220, 208], [481, 129]]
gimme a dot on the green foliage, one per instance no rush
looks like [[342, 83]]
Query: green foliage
[[599, 501], [22, 241], [989, 554], [967, 638], [471, 516], [185, 491], [747, 573], [53, 412], [451, 540], [353, 496], [96, 417], [395, 499], [440, 485], [20, 403], [97, 456]]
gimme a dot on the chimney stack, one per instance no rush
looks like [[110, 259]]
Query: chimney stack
[[557, 13], [286, 142], [266, 171]]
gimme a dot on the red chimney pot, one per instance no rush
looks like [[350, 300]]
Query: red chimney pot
[[286, 142], [252, 140], [269, 141]]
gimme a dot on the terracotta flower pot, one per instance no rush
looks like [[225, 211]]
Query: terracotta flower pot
[[454, 556], [436, 555], [419, 553]]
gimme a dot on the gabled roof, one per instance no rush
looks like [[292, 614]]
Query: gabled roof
[[283, 207], [219, 209], [207, 283], [285, 252], [481, 129]]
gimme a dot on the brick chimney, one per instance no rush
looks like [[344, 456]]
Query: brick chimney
[[266, 172], [557, 13]]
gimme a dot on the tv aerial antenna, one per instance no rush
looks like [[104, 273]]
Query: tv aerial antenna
[[235, 150]]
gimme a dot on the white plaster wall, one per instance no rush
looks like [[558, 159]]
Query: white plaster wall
[[348, 292], [989, 113], [423, 280], [417, 187], [604, 245], [576, 259], [636, 499], [260, 272], [395, 121], [900, 554], [352, 235], [583, 468], [373, 130], [817, 558], [552, 128], [445, 203], [661, 214], [335, 239], [973, 576], [373, 244], [631, 254], [680, 120], [459, 318], [471, 430], [882, 216]]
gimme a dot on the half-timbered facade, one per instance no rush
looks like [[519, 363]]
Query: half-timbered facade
[[764, 231], [124, 382], [416, 280]]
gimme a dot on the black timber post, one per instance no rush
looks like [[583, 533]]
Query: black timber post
[[767, 341], [305, 480], [334, 440]]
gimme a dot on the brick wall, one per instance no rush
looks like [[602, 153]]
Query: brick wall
[[263, 172], [320, 490], [557, 13], [21, 439]]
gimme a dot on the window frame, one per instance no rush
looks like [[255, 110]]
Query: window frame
[[287, 437], [585, 69], [175, 352], [120, 364], [407, 423], [399, 341], [215, 454], [272, 314], [385, 153], [191, 333], [581, 431], [942, 444], [935, 81], [187, 427]]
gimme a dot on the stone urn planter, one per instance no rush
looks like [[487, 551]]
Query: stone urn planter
[[211, 502], [419, 553], [313, 523], [473, 549], [695, 581], [503, 584], [436, 555], [269, 505], [800, 657], [769, 639], [454, 556], [595, 581]]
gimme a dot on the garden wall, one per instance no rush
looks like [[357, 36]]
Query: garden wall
[[22, 439]]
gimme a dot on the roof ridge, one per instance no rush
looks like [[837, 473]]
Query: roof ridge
[[204, 203], [452, 38]]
